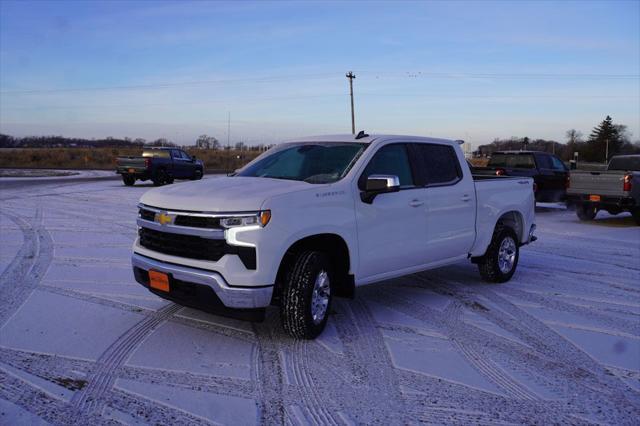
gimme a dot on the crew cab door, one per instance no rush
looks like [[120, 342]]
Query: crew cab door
[[552, 179], [392, 229], [450, 201], [181, 164]]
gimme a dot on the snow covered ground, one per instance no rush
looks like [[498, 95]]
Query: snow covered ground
[[81, 342]]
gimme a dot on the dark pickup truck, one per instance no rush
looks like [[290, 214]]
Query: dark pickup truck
[[549, 173], [161, 165]]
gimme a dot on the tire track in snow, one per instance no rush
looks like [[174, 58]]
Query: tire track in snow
[[376, 392], [100, 381], [480, 361], [267, 372], [313, 393], [30, 264], [576, 372], [449, 323]]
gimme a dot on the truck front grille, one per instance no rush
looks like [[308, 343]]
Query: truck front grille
[[198, 222], [194, 247], [185, 219]]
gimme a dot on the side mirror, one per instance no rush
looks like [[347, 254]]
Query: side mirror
[[379, 184], [193, 158]]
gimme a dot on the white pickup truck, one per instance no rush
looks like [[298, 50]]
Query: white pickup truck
[[315, 218]]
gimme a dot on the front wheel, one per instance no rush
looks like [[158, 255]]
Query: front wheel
[[128, 180], [586, 211], [197, 175], [306, 297], [500, 261], [636, 215]]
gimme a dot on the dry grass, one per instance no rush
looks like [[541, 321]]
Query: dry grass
[[479, 162], [105, 158]]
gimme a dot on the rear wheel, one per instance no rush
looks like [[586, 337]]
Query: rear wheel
[[307, 295], [500, 261], [160, 178], [128, 180], [586, 211]]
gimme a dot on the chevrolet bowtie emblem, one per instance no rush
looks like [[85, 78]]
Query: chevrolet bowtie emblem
[[163, 218]]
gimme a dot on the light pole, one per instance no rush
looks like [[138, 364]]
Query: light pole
[[606, 151], [350, 75]]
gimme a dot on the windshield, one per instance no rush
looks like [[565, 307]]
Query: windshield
[[513, 161], [315, 162], [630, 162]]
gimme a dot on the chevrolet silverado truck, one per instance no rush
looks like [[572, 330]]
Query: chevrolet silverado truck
[[315, 218], [615, 190], [161, 165], [549, 173]]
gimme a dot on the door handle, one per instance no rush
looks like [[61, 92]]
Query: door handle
[[466, 197], [416, 203]]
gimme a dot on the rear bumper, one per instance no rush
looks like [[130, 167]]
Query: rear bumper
[[618, 202], [137, 172], [200, 289]]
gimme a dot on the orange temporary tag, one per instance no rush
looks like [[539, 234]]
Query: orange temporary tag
[[159, 281], [594, 198]]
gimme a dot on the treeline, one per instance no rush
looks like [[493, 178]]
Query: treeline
[[105, 158], [8, 141], [202, 142], [605, 140]]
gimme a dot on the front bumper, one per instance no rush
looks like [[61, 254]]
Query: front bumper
[[201, 289]]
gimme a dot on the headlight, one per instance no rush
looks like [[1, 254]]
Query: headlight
[[248, 219]]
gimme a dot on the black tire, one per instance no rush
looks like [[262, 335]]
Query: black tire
[[586, 211], [296, 309], [197, 174], [489, 265], [160, 178], [128, 180], [636, 215]]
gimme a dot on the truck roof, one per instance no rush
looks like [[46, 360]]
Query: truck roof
[[348, 137]]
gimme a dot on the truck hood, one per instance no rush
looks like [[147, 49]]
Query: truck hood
[[225, 194]]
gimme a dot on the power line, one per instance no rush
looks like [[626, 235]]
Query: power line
[[399, 95], [171, 85], [369, 73]]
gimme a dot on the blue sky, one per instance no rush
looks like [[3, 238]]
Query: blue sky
[[466, 70]]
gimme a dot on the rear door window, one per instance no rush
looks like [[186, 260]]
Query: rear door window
[[437, 164], [557, 164]]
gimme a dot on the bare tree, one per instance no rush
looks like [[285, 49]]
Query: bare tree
[[574, 136]]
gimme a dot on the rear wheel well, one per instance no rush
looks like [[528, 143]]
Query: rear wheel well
[[513, 220], [331, 245]]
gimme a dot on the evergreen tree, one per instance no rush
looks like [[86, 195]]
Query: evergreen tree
[[606, 133]]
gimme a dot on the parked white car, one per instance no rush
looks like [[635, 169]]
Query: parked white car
[[315, 218]]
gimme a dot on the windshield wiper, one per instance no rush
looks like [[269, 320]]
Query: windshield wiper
[[279, 177]]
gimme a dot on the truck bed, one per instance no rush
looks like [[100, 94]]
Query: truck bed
[[495, 194]]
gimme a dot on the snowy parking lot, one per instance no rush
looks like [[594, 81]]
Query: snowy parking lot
[[81, 342]]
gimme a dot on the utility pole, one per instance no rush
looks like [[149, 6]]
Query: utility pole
[[350, 75], [606, 152]]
